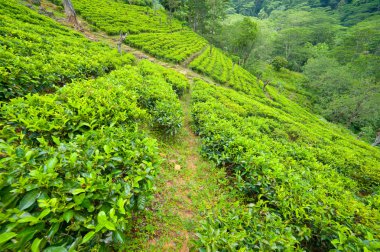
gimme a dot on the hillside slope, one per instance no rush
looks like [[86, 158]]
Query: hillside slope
[[78, 165]]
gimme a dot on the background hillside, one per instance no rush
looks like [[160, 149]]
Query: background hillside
[[194, 132]]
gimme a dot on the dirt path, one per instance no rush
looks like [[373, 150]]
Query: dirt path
[[187, 187]]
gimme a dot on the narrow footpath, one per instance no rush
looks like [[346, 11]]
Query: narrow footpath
[[187, 186]]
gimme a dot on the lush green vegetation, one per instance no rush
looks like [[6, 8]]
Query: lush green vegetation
[[116, 16], [150, 30], [76, 164], [307, 183], [176, 46], [37, 53], [222, 69], [334, 43], [339, 64], [348, 12]]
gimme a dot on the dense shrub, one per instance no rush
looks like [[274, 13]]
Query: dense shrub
[[175, 47], [36, 53], [221, 68], [115, 16], [308, 184], [279, 62], [75, 165], [76, 194]]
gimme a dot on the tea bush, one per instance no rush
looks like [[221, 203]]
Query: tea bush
[[220, 67], [36, 53], [76, 165], [77, 194], [97, 103], [175, 47], [148, 30], [115, 16], [307, 184]]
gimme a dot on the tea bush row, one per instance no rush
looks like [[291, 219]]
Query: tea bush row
[[77, 165], [36, 53], [115, 16], [221, 68], [175, 47], [307, 184]]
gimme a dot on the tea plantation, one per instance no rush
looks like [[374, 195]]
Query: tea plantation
[[76, 164], [306, 183], [152, 31], [115, 16], [86, 132], [216, 64], [174, 47], [37, 54]]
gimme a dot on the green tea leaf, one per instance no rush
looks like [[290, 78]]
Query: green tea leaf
[[67, 216], [29, 154], [77, 191], [102, 218], [119, 236], [88, 237], [6, 237], [75, 244], [56, 140], [29, 199], [109, 225], [44, 213], [79, 198], [35, 245], [51, 165], [55, 249], [120, 204], [107, 149]]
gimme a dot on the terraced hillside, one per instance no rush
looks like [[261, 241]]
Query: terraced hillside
[[109, 161], [307, 183], [37, 54], [152, 31]]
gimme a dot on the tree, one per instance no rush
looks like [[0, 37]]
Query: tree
[[246, 38], [216, 12], [197, 13], [377, 140], [279, 62], [70, 13]]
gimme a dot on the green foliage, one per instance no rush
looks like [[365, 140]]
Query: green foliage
[[279, 62], [175, 47], [36, 53], [75, 194], [349, 12], [222, 69], [305, 180], [76, 165], [150, 30], [115, 16], [140, 2], [239, 37]]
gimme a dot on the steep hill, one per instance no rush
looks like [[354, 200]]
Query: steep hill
[[105, 162]]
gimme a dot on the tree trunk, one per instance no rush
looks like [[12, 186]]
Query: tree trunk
[[70, 13], [377, 140], [120, 42]]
